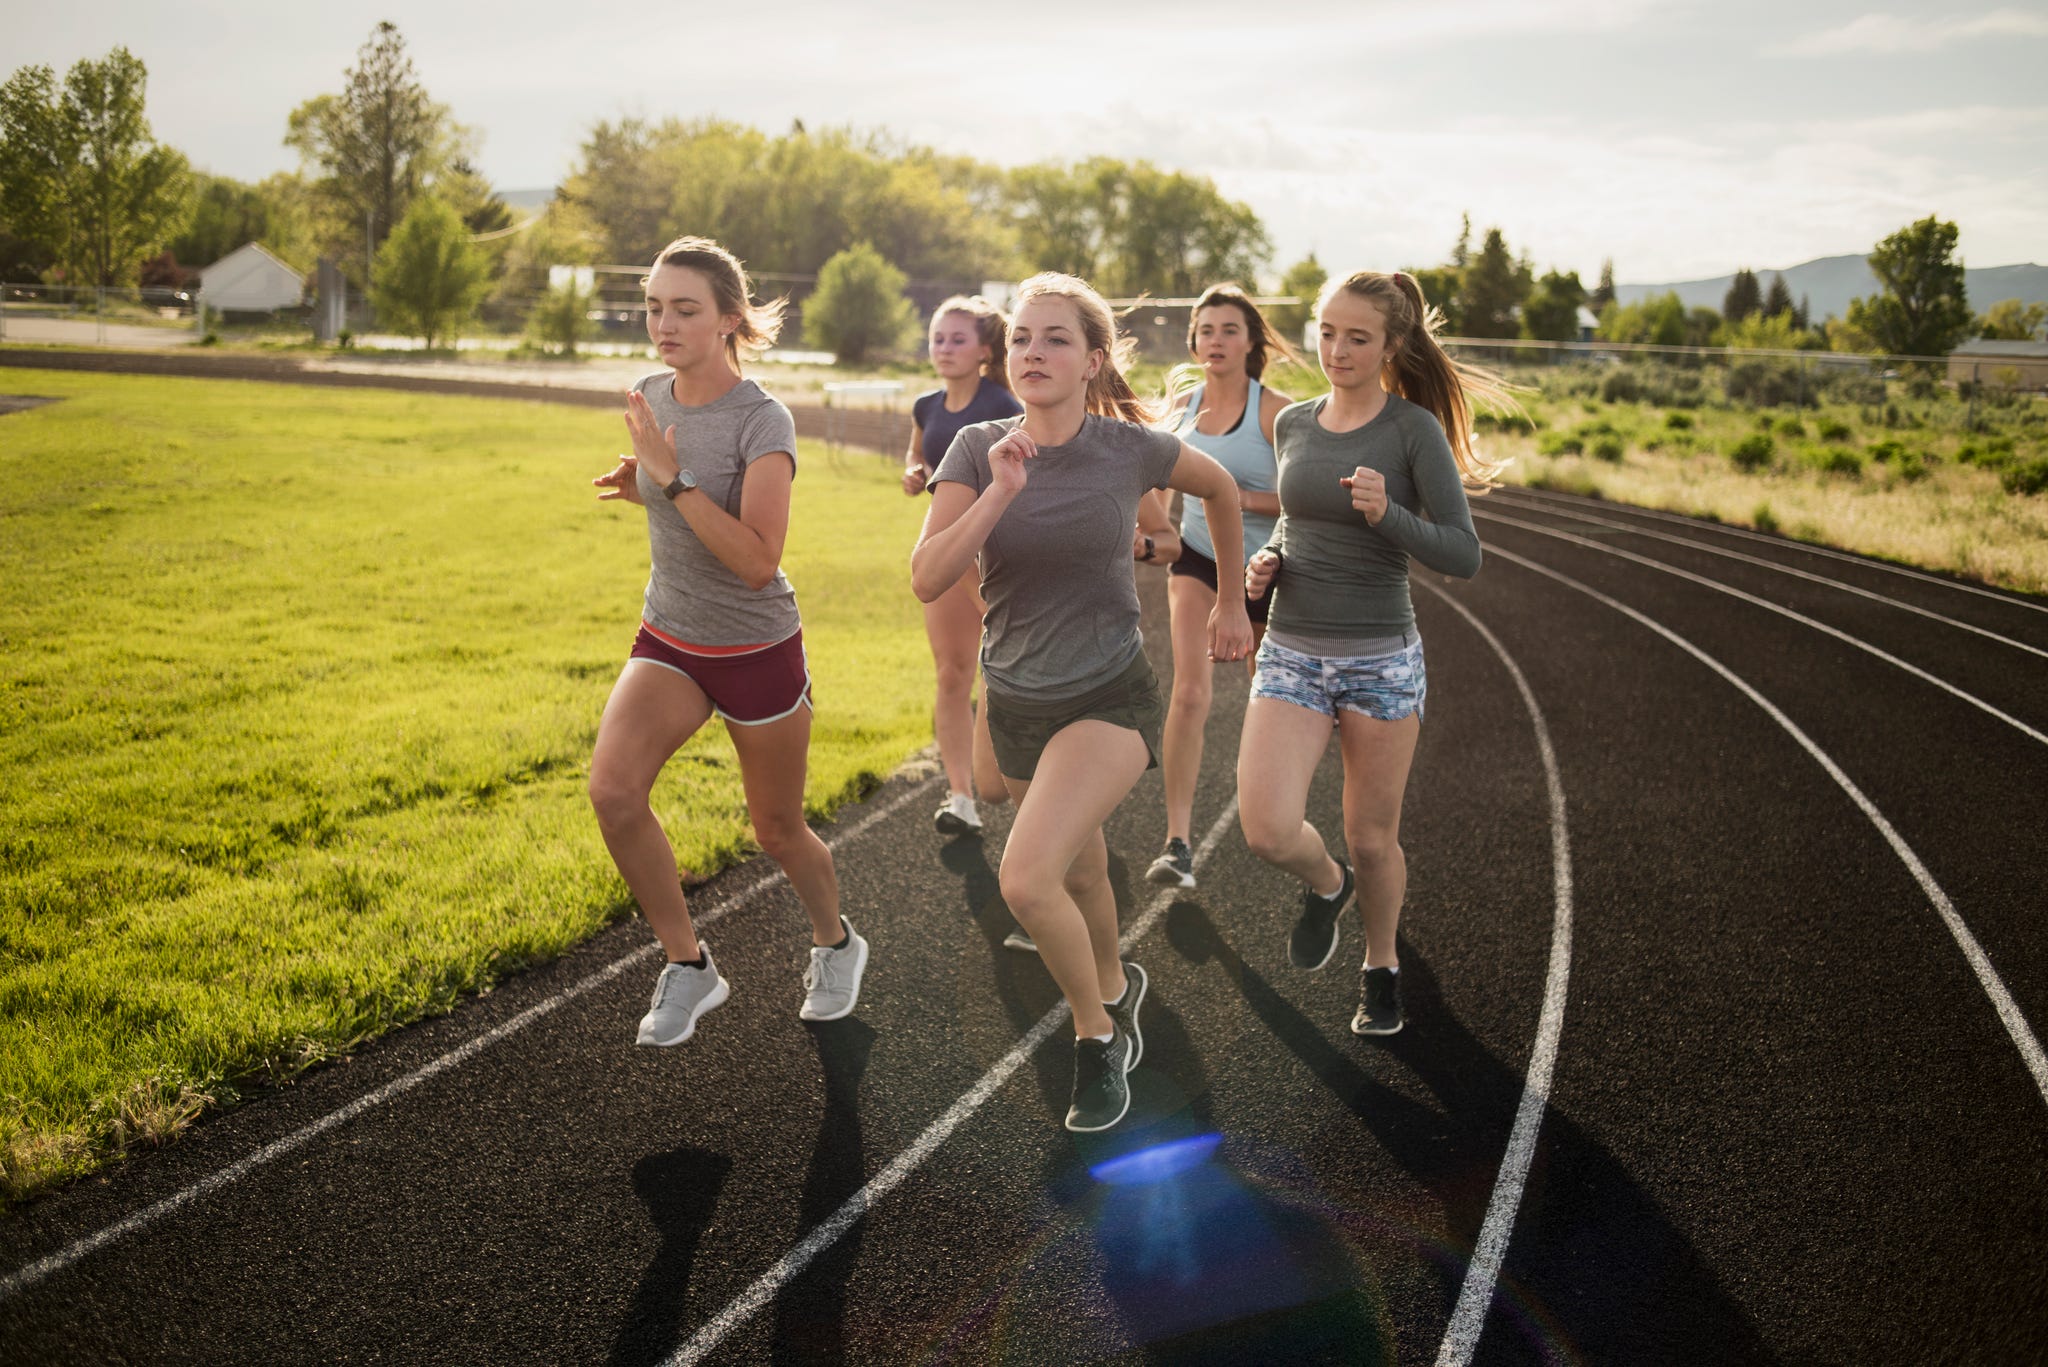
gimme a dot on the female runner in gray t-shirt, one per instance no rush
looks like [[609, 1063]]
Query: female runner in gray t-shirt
[[1048, 503]]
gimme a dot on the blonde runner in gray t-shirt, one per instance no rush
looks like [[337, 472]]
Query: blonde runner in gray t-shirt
[[713, 459], [1047, 503]]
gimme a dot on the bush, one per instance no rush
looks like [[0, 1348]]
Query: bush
[[1560, 444], [1608, 449], [1834, 460], [1791, 427], [1887, 451], [1763, 519], [2030, 477], [858, 306], [1912, 467], [1486, 420], [1621, 387], [429, 277], [1753, 452], [560, 320], [1678, 422], [1833, 429], [1771, 384]]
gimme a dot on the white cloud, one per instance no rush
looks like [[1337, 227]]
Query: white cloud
[[1891, 33]]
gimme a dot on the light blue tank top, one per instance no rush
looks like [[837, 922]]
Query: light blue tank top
[[1245, 452]]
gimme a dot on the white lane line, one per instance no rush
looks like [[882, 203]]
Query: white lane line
[[1799, 617], [1874, 596], [1980, 963], [24, 1278], [1468, 1318], [1546, 496], [828, 1232]]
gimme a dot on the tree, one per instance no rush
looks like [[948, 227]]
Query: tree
[[1304, 280], [561, 319], [858, 306], [2012, 320], [1661, 321], [1778, 300], [226, 214], [1131, 228], [1603, 293], [1551, 312], [80, 173], [429, 277], [1924, 309], [1494, 288], [1743, 297], [376, 145], [1443, 288]]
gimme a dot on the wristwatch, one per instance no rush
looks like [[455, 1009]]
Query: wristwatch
[[1150, 551], [684, 480]]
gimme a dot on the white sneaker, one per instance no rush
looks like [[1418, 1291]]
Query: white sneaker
[[832, 981], [958, 816], [681, 995]]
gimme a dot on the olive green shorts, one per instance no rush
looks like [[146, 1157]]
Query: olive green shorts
[[1022, 729]]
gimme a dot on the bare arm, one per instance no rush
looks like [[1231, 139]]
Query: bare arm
[[960, 519], [915, 476], [1155, 526], [749, 545], [1271, 402], [1194, 474]]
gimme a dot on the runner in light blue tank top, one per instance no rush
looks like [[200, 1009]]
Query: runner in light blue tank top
[[1232, 344]]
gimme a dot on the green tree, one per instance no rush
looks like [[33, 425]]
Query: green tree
[[226, 214], [1603, 293], [1304, 280], [376, 145], [429, 276], [1494, 287], [2012, 320], [1131, 228], [1443, 288], [1778, 299], [1551, 312], [560, 321], [1744, 297], [1660, 321], [80, 173], [858, 306], [1923, 309]]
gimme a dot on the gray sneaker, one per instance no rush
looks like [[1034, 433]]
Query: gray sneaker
[[832, 981], [1102, 1094], [681, 995], [1175, 866], [1124, 1010]]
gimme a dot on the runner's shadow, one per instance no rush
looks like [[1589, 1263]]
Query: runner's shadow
[[680, 1190], [1595, 1241], [810, 1316]]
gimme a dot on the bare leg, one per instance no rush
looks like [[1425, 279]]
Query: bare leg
[[773, 759], [651, 713], [1276, 758], [1377, 757], [1055, 870], [1189, 603], [952, 621]]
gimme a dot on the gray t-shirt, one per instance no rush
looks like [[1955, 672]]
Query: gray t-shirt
[[1056, 570], [1340, 578], [691, 594]]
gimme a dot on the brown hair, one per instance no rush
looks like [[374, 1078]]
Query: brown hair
[[759, 324], [1421, 371], [991, 325], [1265, 341], [1109, 394]]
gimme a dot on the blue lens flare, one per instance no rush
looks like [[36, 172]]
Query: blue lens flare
[[1157, 1163]]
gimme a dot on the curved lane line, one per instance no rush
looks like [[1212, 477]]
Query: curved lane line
[[1980, 963], [1798, 617], [26, 1277], [1468, 1318], [1545, 496], [1874, 596], [829, 1231]]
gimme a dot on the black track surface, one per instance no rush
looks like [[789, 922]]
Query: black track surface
[[1786, 1122]]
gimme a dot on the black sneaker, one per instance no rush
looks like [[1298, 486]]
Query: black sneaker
[[1379, 1003], [1124, 1010], [1102, 1094], [1175, 866], [1315, 935]]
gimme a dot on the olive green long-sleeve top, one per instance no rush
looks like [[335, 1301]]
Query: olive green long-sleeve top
[[1339, 578]]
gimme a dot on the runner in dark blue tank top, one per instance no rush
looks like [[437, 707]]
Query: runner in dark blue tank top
[[968, 343]]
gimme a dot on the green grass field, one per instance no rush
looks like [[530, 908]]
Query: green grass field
[[300, 689]]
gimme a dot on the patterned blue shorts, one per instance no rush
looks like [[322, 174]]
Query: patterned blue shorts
[[1387, 687]]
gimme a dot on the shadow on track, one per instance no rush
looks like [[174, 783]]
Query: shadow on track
[[810, 1316], [680, 1190]]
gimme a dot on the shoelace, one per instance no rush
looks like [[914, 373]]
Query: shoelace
[[821, 970]]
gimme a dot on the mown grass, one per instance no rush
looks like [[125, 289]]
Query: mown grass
[[299, 692]]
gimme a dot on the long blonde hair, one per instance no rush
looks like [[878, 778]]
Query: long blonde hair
[[1109, 394], [759, 325], [1422, 372], [991, 325]]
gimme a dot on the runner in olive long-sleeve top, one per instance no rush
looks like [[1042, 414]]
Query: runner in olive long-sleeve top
[[1370, 474]]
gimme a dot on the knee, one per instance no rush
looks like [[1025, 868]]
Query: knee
[[1265, 837], [1027, 890], [782, 836], [955, 679], [616, 801], [1191, 694], [1373, 847]]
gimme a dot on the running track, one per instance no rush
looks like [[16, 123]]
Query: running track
[[1726, 967]]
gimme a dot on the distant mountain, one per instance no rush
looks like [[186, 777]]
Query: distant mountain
[[526, 199], [1832, 281]]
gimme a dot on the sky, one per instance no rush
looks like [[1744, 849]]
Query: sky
[[1681, 140]]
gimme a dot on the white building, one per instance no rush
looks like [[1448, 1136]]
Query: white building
[[250, 280]]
